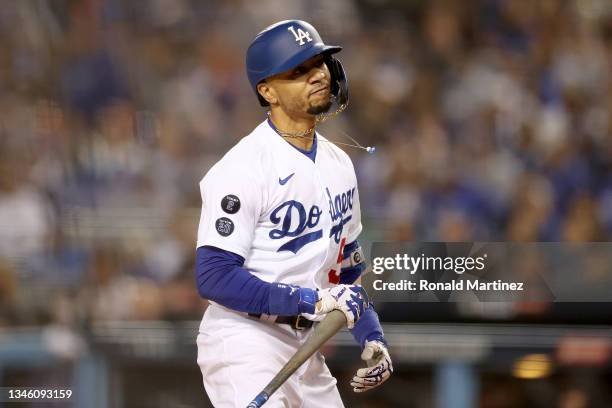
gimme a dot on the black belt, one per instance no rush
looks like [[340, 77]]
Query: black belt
[[297, 322]]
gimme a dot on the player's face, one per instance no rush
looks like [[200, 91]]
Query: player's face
[[304, 89]]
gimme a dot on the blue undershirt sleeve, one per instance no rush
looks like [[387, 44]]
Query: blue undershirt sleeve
[[220, 277]]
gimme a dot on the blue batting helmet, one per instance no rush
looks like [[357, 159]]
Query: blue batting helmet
[[286, 45]]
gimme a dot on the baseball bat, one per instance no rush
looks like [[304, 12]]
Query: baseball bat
[[325, 330]]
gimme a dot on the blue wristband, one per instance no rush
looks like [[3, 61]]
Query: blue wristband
[[291, 300], [308, 299], [368, 328]]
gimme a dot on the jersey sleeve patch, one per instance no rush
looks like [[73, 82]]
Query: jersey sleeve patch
[[230, 204], [224, 226]]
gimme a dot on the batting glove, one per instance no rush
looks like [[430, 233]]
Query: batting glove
[[352, 300], [379, 368]]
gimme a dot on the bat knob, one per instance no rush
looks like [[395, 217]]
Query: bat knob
[[259, 400]]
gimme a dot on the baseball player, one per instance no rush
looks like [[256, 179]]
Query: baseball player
[[277, 242]]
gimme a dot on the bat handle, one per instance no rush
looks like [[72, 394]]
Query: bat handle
[[259, 400]]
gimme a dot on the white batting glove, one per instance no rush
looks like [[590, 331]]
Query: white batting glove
[[379, 369], [352, 300]]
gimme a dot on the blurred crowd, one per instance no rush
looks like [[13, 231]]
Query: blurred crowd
[[492, 121]]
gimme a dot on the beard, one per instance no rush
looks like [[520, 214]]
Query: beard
[[320, 108]]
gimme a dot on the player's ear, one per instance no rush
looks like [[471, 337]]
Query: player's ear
[[267, 92]]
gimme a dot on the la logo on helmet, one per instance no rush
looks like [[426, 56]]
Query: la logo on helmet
[[300, 35]]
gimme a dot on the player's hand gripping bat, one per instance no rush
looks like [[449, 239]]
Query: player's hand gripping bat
[[325, 330]]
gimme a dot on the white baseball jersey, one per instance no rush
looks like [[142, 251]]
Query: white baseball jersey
[[288, 216]]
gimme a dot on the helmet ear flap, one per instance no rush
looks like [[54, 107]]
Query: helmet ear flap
[[339, 82]]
